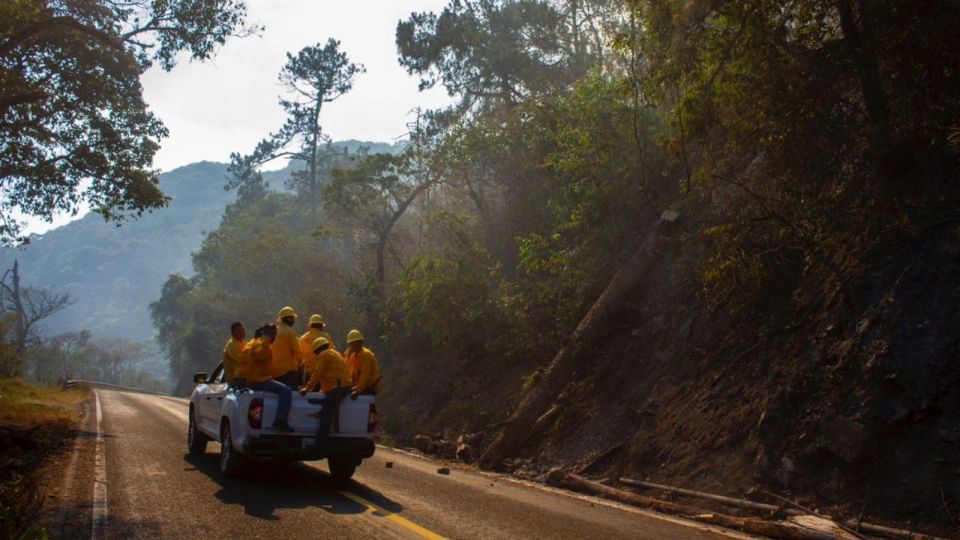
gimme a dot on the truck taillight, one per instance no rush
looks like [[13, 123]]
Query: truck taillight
[[255, 414], [372, 419]]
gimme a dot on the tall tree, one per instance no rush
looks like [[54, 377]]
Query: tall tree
[[316, 75], [173, 321], [73, 123], [486, 51], [374, 194]]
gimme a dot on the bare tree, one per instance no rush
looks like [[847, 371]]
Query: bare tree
[[29, 306]]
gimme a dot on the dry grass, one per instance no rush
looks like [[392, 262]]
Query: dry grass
[[25, 406], [35, 423]]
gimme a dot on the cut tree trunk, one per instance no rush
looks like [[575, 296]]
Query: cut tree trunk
[[773, 529], [635, 265]]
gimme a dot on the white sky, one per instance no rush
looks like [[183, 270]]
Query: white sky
[[229, 103]]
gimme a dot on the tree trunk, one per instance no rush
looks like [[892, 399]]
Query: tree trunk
[[314, 144], [859, 39], [634, 267], [381, 270], [18, 306]]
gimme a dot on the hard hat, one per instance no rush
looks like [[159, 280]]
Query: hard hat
[[354, 335], [316, 319], [319, 342], [287, 312]]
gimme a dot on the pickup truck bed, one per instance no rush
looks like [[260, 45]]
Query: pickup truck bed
[[352, 439], [240, 420]]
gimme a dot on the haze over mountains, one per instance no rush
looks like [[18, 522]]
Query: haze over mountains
[[113, 273]]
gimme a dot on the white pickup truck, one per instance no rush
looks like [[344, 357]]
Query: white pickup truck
[[240, 418]]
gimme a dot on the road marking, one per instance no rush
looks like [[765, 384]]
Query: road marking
[[99, 527], [407, 524]]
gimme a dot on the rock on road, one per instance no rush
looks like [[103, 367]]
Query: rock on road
[[153, 489]]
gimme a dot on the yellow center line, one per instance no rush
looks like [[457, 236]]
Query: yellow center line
[[406, 523]]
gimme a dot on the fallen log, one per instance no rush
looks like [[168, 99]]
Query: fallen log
[[773, 529], [814, 513], [739, 503], [752, 505]]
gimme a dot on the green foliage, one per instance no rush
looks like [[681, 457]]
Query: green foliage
[[782, 131], [799, 123], [485, 50], [73, 123], [453, 301]]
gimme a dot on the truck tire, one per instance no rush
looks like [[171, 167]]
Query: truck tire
[[196, 441], [341, 468], [230, 461]]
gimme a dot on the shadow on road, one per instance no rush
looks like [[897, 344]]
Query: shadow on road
[[267, 486]]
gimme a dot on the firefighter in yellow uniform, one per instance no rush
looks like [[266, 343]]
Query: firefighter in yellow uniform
[[255, 370], [330, 374], [362, 366], [306, 344], [287, 358], [232, 351], [330, 371]]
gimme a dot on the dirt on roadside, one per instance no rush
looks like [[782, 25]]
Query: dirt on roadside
[[38, 432]]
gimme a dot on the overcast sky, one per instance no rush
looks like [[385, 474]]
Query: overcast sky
[[229, 103]]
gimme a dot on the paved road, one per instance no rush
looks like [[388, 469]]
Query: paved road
[[155, 490]]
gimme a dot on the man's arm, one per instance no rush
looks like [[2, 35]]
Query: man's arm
[[315, 379]]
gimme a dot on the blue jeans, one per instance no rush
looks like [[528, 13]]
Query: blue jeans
[[283, 396]]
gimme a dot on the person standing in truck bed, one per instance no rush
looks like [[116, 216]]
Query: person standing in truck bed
[[362, 366], [308, 358], [286, 350]]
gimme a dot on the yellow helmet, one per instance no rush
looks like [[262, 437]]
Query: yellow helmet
[[354, 335], [319, 342], [286, 312], [316, 319]]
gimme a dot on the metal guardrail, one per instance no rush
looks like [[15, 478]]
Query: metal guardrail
[[77, 382]]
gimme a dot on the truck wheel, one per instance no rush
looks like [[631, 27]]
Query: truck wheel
[[196, 441], [341, 468], [230, 461]]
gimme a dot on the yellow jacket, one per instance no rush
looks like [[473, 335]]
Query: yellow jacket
[[306, 348], [231, 357], [286, 351], [330, 372], [256, 362], [364, 371]]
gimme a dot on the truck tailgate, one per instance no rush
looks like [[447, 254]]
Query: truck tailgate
[[305, 413]]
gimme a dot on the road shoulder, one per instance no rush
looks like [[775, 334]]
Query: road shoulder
[[67, 481]]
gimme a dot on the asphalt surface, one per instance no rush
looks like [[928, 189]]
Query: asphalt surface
[[154, 489]]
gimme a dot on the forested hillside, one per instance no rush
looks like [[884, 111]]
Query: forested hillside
[[792, 323], [113, 273]]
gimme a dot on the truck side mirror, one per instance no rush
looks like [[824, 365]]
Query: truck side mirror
[[200, 377]]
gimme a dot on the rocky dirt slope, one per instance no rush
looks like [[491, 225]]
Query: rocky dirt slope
[[850, 400]]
